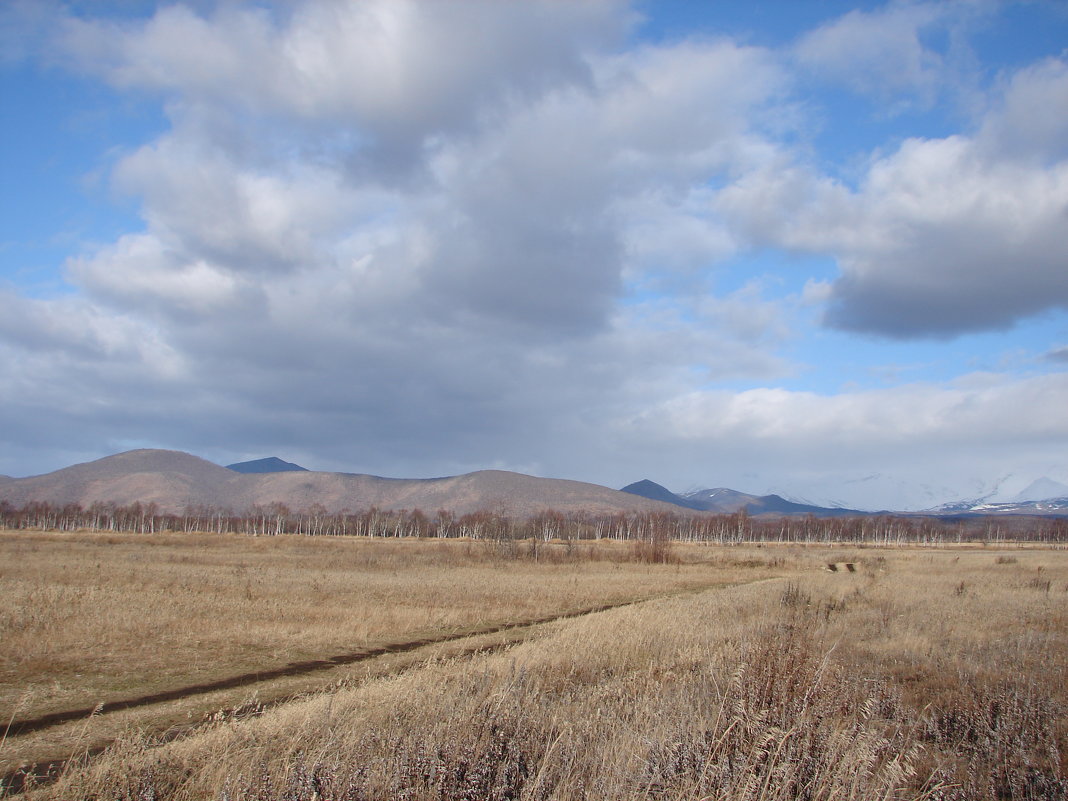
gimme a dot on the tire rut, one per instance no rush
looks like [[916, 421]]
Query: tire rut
[[16, 781], [30, 725]]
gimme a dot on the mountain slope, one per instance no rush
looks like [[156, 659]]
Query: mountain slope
[[170, 479]]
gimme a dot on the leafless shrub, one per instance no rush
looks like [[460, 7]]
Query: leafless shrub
[[1040, 584], [655, 550], [1005, 740], [789, 726], [795, 597], [874, 564]]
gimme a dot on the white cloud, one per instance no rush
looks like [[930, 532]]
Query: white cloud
[[536, 147], [887, 53], [955, 243], [673, 232], [1024, 123], [401, 71], [250, 217], [137, 270], [68, 354], [942, 236], [24, 25], [878, 419]]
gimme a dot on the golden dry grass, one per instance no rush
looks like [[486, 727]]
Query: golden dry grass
[[928, 673], [93, 618]]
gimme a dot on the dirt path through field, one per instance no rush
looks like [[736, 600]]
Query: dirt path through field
[[19, 727], [47, 766]]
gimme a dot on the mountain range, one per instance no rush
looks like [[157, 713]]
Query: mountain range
[[728, 501], [175, 481], [1041, 497]]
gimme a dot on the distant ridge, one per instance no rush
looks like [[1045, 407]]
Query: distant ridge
[[727, 501], [1047, 506], [722, 500], [272, 464]]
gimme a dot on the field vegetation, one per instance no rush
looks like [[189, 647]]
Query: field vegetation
[[90, 619], [748, 673]]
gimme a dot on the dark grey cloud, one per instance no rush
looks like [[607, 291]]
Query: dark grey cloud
[[964, 233], [945, 280]]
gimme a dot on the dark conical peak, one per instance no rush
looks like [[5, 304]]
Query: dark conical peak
[[647, 489], [650, 489], [272, 464]]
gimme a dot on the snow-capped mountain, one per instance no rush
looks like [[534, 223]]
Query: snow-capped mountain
[[1042, 496]]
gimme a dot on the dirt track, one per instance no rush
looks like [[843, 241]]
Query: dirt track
[[49, 769]]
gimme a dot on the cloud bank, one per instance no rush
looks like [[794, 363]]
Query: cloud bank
[[417, 238]]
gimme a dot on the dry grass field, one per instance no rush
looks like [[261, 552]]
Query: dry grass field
[[922, 674], [90, 618]]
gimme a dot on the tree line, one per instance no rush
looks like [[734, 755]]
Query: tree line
[[276, 519]]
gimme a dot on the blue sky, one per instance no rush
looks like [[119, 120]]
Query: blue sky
[[818, 248]]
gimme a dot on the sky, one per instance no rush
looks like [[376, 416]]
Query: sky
[[814, 248]]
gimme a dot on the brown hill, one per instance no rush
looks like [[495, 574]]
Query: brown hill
[[171, 479], [175, 481]]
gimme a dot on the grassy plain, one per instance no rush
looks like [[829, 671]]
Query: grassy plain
[[92, 618], [926, 673]]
